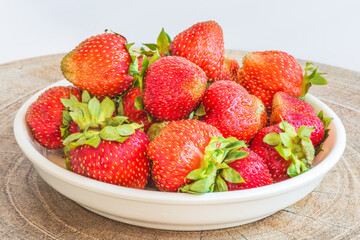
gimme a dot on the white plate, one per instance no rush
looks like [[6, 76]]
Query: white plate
[[179, 211]]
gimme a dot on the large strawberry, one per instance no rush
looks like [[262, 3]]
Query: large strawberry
[[233, 111], [192, 156], [202, 44], [252, 169], [45, 115], [106, 147], [174, 86], [265, 73], [100, 65], [297, 113], [287, 152]]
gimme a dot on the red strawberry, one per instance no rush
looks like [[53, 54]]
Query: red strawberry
[[123, 164], [202, 44], [174, 86], [100, 65], [297, 113], [110, 150], [233, 111], [45, 116], [287, 153], [135, 115], [230, 70], [265, 73], [177, 150], [252, 169]]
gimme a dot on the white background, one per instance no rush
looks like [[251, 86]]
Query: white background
[[318, 30]]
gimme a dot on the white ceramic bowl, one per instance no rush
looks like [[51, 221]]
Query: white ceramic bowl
[[179, 211]]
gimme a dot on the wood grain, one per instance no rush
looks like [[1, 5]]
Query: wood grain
[[31, 209]]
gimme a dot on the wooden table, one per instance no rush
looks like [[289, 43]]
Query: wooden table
[[31, 209]]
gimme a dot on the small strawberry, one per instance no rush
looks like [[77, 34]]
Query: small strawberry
[[202, 44], [233, 111], [45, 115], [100, 65], [106, 148], [137, 115], [287, 153], [174, 86], [230, 70], [252, 169], [265, 73], [297, 113]]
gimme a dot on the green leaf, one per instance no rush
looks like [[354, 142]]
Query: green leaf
[[220, 184], [155, 57], [68, 103], [64, 131], [236, 145], [191, 116], [304, 131], [288, 128], [197, 174], [231, 175], [107, 109], [66, 118], [67, 164], [163, 42], [85, 96], [200, 111], [308, 150], [151, 46], [125, 130], [95, 109], [73, 97], [284, 152], [138, 104], [72, 137], [120, 108], [272, 139], [94, 141], [285, 139], [235, 156], [109, 133]]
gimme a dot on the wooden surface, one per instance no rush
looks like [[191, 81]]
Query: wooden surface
[[31, 209]]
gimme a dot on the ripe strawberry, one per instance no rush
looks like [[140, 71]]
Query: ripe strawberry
[[253, 170], [135, 115], [45, 115], [265, 73], [287, 152], [174, 86], [123, 164], [233, 111], [230, 70], [297, 113], [100, 65], [105, 147], [177, 150], [202, 44]]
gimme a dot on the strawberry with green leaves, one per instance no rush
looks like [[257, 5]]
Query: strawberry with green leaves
[[107, 148], [100, 65], [265, 73], [174, 87], [202, 44], [233, 111], [298, 113], [287, 152], [45, 116]]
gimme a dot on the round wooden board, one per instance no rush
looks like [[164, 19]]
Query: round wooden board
[[31, 209]]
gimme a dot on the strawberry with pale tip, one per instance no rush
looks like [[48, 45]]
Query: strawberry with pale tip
[[100, 65]]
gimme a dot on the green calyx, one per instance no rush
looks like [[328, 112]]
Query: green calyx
[[198, 112], [66, 117], [211, 176], [311, 77], [95, 122], [294, 146], [161, 47], [326, 121]]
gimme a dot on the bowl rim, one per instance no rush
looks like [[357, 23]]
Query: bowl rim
[[24, 140]]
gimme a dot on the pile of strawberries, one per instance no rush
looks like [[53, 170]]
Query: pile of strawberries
[[179, 115]]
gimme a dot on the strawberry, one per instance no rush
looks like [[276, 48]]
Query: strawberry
[[230, 70], [135, 115], [265, 73], [177, 150], [100, 65], [174, 86], [233, 111], [105, 147], [202, 44], [287, 152], [252, 169], [297, 113], [45, 116]]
